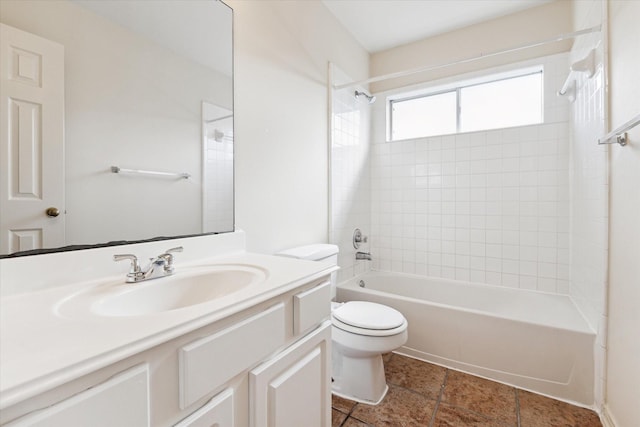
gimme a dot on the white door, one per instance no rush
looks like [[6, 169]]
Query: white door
[[31, 141]]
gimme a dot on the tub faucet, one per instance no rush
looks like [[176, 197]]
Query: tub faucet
[[160, 266], [363, 255]]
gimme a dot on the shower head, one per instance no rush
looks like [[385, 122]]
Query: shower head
[[371, 98]]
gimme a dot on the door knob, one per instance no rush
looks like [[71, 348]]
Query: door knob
[[52, 212]]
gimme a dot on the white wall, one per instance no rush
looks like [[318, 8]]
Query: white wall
[[281, 57], [623, 369]]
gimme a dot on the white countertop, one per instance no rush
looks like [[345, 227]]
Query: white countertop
[[41, 349]]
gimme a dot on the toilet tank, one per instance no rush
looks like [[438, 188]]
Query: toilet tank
[[318, 252]]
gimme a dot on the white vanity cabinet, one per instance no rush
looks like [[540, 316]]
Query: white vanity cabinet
[[266, 365]]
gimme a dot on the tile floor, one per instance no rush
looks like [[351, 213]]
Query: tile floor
[[422, 394]]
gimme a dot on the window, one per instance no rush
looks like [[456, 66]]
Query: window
[[492, 104]]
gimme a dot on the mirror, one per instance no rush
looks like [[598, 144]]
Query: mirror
[[131, 138]]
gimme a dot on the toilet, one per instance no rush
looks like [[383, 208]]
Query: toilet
[[361, 332]]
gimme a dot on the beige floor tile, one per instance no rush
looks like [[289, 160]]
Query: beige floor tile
[[450, 416], [467, 401], [337, 418], [341, 404], [541, 411], [493, 400], [400, 407], [415, 375], [352, 422]]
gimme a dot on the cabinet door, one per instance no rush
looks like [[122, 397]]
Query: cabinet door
[[122, 401], [294, 388], [217, 412]]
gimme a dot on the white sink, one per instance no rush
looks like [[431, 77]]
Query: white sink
[[186, 288]]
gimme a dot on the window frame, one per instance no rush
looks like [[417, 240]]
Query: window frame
[[457, 88]]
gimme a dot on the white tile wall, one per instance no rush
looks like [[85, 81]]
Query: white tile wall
[[590, 191], [217, 201], [590, 201], [350, 178], [488, 207], [218, 176]]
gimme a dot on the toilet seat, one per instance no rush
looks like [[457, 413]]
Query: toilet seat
[[368, 318]]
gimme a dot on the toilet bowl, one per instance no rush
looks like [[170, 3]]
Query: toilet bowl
[[360, 333]]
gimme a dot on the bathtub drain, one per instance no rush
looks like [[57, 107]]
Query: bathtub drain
[[361, 283]]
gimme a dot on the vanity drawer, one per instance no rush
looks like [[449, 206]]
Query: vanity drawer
[[210, 362], [311, 307], [120, 401], [217, 412]]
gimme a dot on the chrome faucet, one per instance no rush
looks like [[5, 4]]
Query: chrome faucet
[[363, 255], [160, 266]]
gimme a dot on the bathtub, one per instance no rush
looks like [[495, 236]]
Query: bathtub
[[531, 340]]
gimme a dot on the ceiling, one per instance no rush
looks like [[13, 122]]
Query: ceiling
[[383, 24]]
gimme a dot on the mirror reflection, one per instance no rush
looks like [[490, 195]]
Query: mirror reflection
[[119, 121]]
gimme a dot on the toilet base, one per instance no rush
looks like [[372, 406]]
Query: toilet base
[[335, 393], [359, 378]]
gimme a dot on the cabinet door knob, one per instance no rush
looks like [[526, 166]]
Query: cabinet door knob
[[52, 212]]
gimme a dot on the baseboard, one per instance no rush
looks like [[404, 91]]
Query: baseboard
[[606, 418]]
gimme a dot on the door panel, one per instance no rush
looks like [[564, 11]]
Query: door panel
[[31, 141]]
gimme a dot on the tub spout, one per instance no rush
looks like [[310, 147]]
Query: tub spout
[[363, 255]]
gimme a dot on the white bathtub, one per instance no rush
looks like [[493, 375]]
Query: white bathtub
[[534, 341]]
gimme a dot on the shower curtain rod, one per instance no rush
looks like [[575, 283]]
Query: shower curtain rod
[[398, 74]]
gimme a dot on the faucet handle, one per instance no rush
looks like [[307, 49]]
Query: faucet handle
[[176, 249], [168, 258], [135, 266]]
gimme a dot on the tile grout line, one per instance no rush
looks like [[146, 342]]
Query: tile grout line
[[349, 415], [435, 409], [515, 390]]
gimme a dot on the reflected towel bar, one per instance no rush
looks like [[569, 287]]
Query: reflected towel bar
[[117, 169], [619, 135]]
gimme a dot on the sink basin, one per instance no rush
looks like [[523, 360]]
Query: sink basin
[[186, 288]]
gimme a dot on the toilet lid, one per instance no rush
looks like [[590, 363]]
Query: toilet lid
[[368, 315]]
